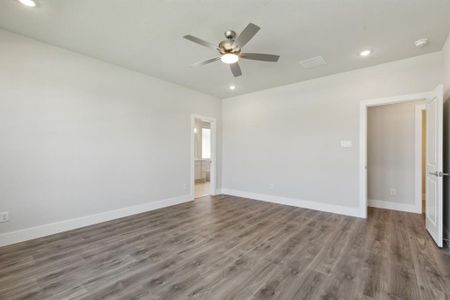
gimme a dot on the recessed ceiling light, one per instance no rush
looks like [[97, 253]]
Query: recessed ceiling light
[[421, 43], [365, 53], [29, 3], [232, 87], [229, 58]]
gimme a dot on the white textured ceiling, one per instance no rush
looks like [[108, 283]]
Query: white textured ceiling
[[147, 35]]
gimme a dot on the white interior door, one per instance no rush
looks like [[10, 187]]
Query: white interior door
[[434, 174]]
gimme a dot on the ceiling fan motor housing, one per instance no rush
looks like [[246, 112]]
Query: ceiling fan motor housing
[[228, 45], [230, 34]]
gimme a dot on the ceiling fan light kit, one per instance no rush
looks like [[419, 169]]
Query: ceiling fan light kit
[[229, 58], [230, 49]]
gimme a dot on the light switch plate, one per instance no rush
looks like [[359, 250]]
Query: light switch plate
[[346, 144], [4, 216]]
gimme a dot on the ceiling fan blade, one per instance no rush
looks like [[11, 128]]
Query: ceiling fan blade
[[246, 35], [260, 56], [235, 69], [200, 41], [201, 63]]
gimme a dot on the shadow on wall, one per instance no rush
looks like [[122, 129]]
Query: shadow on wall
[[446, 165]]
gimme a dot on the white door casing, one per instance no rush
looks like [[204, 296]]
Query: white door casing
[[364, 105]]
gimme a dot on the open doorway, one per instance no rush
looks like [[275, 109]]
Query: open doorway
[[203, 158], [395, 156], [433, 155], [422, 114]]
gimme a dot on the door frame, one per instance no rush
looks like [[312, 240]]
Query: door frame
[[416, 207], [363, 106], [418, 143], [213, 168]]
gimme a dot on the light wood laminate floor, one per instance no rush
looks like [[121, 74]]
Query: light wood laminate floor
[[232, 248], [202, 189]]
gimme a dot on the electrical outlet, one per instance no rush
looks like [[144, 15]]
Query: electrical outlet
[[346, 144], [4, 216], [393, 192], [271, 186]]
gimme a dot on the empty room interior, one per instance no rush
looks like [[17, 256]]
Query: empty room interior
[[254, 149]]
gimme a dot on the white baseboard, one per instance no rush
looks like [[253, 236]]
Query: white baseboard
[[394, 206], [337, 209], [57, 227]]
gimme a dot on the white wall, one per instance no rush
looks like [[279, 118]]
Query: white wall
[[390, 153], [79, 136], [446, 53], [290, 136]]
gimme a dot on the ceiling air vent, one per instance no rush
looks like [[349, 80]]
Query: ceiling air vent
[[313, 62]]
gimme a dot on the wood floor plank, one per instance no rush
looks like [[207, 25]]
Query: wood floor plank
[[144, 264], [429, 269], [226, 247]]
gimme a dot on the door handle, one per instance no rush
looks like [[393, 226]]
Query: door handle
[[438, 174]]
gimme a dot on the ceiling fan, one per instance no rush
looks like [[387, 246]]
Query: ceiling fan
[[230, 49]]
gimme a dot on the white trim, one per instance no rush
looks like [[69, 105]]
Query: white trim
[[363, 139], [396, 99], [13, 237], [213, 176], [331, 208], [412, 208], [363, 160], [418, 196]]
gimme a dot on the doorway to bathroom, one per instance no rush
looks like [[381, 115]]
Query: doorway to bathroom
[[203, 156]]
